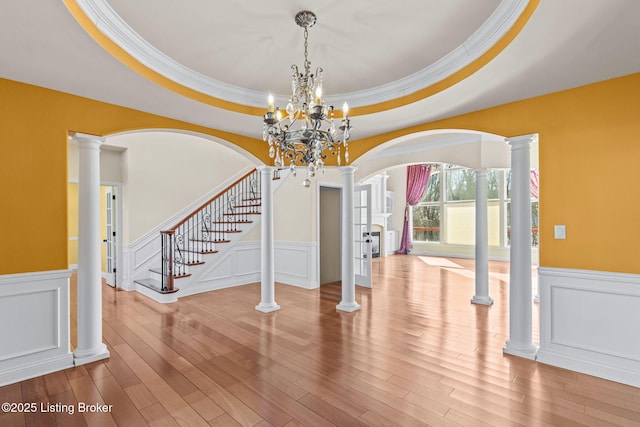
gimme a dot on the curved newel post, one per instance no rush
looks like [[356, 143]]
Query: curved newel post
[[167, 268]]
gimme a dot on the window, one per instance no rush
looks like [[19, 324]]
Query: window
[[460, 184], [451, 219], [426, 214], [534, 213]]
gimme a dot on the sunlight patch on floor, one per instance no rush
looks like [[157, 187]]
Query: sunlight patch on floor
[[461, 271], [439, 262]]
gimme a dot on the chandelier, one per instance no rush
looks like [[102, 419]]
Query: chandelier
[[299, 138]]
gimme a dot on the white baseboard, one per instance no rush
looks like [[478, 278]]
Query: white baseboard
[[590, 322], [35, 337]]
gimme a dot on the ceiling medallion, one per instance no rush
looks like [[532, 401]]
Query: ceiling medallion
[[299, 137]]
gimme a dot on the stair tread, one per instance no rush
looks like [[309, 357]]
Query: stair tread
[[159, 271], [154, 285]]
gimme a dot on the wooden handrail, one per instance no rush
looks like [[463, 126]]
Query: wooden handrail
[[173, 229]]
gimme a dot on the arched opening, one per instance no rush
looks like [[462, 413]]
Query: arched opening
[[483, 158], [155, 173]]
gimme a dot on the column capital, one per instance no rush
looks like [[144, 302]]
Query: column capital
[[523, 141], [86, 138], [347, 170]]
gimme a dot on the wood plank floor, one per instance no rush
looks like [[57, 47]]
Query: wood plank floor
[[417, 353]]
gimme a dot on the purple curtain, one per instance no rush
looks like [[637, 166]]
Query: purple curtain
[[417, 180], [534, 184]]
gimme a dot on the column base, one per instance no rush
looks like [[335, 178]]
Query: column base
[[483, 300], [527, 351], [82, 357], [267, 308], [348, 307]]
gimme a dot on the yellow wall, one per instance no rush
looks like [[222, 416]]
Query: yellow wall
[[72, 223], [589, 157], [589, 167]]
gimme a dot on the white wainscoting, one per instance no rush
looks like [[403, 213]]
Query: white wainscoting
[[590, 322], [239, 266], [295, 264], [34, 314]]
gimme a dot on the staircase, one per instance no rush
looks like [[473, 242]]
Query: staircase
[[197, 239]]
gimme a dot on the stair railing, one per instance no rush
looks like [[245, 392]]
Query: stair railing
[[184, 244]]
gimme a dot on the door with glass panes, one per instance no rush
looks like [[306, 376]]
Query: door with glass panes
[[362, 234]]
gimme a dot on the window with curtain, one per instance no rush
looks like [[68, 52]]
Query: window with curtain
[[446, 212], [417, 182]]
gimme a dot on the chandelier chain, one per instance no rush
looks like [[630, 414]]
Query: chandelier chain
[[307, 64]]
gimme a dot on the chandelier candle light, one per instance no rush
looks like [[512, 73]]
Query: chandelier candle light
[[299, 137]]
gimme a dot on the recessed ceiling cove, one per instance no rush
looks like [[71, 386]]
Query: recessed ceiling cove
[[371, 51]]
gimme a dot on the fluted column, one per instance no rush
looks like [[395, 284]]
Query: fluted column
[[482, 241], [348, 302], [267, 259], [90, 346], [520, 341]]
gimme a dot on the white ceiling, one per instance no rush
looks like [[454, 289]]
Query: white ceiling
[[360, 44]]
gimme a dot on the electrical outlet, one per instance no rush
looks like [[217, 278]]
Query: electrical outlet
[[560, 231]]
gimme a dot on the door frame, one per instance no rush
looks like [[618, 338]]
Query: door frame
[[319, 185]]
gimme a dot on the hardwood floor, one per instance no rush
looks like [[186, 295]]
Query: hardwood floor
[[417, 353]]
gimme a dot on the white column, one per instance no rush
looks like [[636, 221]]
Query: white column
[[90, 346], [348, 302], [267, 263], [520, 341], [482, 241]]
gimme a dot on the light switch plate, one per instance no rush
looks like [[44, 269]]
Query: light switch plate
[[560, 231]]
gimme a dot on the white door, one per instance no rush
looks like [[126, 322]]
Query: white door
[[111, 237], [362, 234]]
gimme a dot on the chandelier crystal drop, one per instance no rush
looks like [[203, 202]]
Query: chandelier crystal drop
[[298, 138]]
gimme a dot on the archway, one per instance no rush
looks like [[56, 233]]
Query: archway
[[154, 144], [479, 151]]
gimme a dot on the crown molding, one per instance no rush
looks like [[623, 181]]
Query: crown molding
[[112, 26]]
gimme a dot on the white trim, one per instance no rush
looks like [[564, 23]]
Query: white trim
[[590, 322], [34, 309], [484, 38]]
